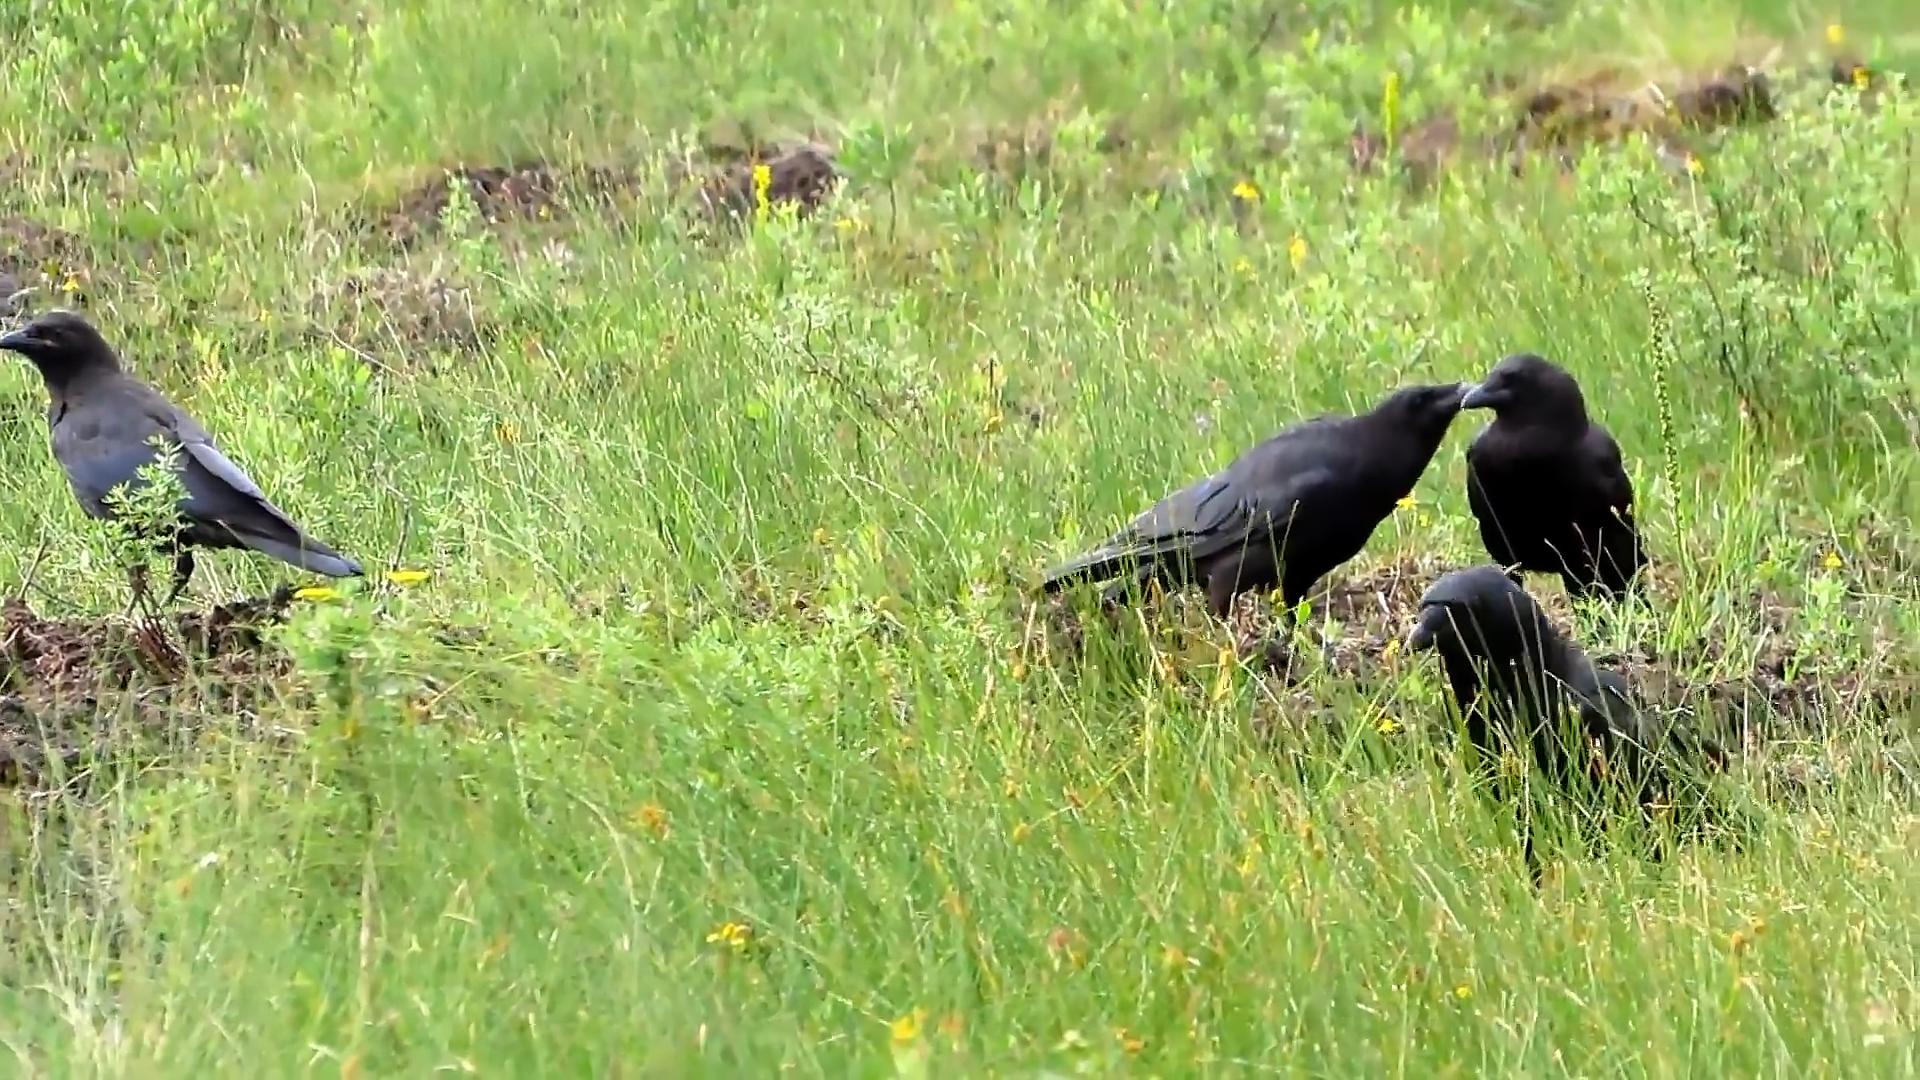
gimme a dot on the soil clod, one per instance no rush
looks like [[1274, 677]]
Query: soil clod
[[802, 177], [40, 267], [393, 316], [527, 191], [66, 685]]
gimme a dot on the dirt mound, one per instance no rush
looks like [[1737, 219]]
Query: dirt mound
[[1015, 152], [1424, 149], [391, 316], [727, 187], [68, 688], [40, 267], [802, 177], [1598, 110], [530, 191], [1557, 121], [1751, 685]]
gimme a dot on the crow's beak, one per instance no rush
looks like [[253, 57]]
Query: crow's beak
[[20, 341], [1433, 619], [1477, 396]]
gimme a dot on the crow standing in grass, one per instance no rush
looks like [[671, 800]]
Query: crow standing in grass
[[1546, 483], [1525, 690], [1285, 512], [104, 421]]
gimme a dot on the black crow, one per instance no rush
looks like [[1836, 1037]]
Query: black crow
[[1525, 690], [104, 422], [1285, 512], [1546, 483]]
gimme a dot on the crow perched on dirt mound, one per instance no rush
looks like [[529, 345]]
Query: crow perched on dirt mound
[[1547, 484], [1526, 691], [1285, 512], [104, 422]]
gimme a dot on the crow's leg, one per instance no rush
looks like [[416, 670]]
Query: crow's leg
[[1140, 581], [182, 573], [1223, 584], [1255, 569]]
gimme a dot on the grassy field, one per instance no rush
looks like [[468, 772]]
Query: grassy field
[[721, 737]]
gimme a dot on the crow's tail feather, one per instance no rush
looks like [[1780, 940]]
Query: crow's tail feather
[[305, 553]]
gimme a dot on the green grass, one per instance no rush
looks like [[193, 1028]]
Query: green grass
[[734, 533]]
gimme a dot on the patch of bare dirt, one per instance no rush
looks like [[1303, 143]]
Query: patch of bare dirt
[[1359, 615], [1424, 149], [802, 177], [395, 317], [1354, 616], [1015, 152], [1019, 150], [1561, 117], [526, 191], [723, 185], [1559, 120], [1774, 694], [69, 688], [40, 267]]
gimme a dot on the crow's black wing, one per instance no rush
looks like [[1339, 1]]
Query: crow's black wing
[[1250, 500]]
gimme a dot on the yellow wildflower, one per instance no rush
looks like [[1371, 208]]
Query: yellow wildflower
[[762, 191], [1390, 104], [1695, 166], [71, 285], [1244, 267], [405, 578], [1836, 34], [1830, 561], [733, 935], [1387, 725], [1246, 192], [507, 431], [1021, 832], [821, 538], [1861, 76], [1463, 991], [1223, 684], [1406, 502], [906, 1028], [653, 818], [1297, 251], [317, 593]]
